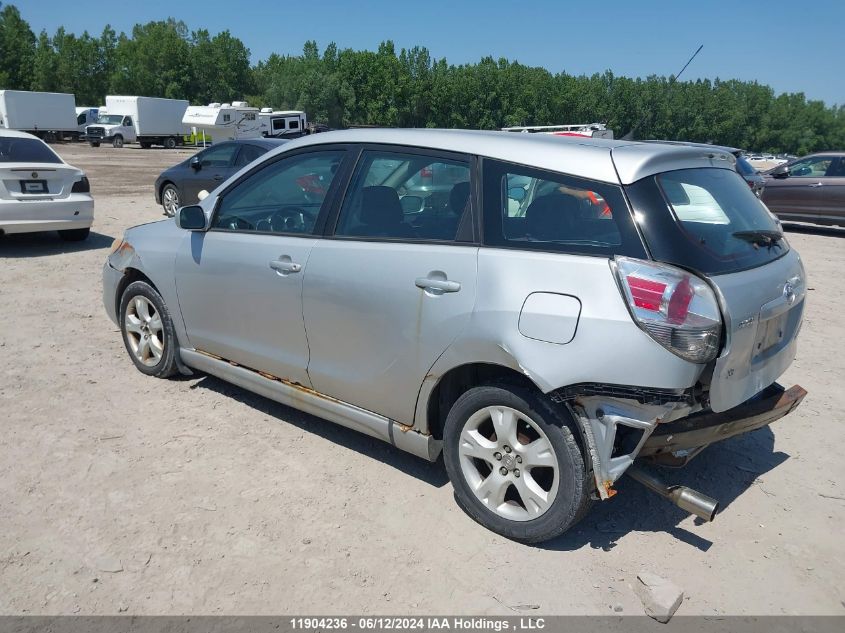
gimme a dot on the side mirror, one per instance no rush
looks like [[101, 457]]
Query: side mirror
[[516, 193], [196, 163], [781, 171], [412, 204], [191, 218]]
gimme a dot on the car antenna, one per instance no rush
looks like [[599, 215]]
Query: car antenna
[[630, 135]]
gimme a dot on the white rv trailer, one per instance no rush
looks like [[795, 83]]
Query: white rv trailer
[[224, 121], [47, 115], [282, 123], [592, 130]]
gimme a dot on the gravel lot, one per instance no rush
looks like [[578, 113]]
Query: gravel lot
[[123, 493]]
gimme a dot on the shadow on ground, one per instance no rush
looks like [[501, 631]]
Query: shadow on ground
[[431, 473], [48, 243], [724, 471]]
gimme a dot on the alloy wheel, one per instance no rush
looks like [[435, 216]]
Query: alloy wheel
[[509, 463], [170, 200], [144, 330]]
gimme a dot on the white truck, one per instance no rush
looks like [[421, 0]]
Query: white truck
[[84, 117], [145, 120], [48, 115]]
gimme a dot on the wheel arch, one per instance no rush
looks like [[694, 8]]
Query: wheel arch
[[130, 275], [436, 400]]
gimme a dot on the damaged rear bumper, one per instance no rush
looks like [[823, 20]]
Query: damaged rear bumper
[[618, 431], [675, 443]]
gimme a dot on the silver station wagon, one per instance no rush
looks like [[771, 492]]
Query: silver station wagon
[[549, 313]]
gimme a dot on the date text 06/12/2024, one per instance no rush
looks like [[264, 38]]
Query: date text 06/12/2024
[[386, 623]]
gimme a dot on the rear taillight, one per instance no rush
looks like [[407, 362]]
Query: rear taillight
[[675, 308], [81, 186]]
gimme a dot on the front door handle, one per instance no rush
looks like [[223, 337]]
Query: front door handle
[[218, 177], [817, 184], [285, 266], [437, 285]]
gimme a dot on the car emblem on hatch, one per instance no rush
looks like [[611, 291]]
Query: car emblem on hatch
[[789, 293], [34, 174]]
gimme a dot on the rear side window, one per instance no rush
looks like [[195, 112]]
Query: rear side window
[[540, 210], [409, 196], [25, 150], [706, 220]]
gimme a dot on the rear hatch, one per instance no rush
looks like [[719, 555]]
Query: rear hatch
[[30, 170], [705, 219]]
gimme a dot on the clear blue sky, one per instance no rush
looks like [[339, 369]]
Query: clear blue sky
[[792, 46]]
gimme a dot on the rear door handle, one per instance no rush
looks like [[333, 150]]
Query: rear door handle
[[285, 267], [438, 285], [817, 184]]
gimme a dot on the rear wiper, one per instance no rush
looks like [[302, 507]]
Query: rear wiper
[[760, 237]]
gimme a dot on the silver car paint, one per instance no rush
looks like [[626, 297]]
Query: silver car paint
[[607, 348], [373, 333], [238, 307]]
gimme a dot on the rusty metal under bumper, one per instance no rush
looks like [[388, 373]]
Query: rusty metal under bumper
[[691, 434]]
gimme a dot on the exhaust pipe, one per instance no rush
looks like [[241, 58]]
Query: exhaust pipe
[[685, 498]]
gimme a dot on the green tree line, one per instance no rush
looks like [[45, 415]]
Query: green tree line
[[408, 88]]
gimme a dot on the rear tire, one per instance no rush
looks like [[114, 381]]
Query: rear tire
[[74, 235], [146, 145], [170, 143], [147, 330], [514, 463], [117, 142]]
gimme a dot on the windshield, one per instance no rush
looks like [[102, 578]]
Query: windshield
[[26, 150], [707, 220], [110, 119]]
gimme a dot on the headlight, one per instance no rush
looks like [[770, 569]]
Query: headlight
[[116, 245]]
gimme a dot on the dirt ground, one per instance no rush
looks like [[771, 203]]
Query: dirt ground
[[123, 493]]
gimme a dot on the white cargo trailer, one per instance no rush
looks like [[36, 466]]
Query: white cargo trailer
[[283, 123], [48, 115], [147, 120]]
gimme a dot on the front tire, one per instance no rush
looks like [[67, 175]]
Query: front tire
[[147, 330], [74, 235], [95, 143], [170, 200], [117, 142], [514, 463]]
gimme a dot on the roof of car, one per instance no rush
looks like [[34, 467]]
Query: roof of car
[[604, 160], [724, 148], [16, 134]]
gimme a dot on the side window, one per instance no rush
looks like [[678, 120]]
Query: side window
[[536, 209], [83, 116], [218, 155], [837, 169], [406, 196], [283, 197], [127, 121], [815, 167], [293, 125], [248, 154]]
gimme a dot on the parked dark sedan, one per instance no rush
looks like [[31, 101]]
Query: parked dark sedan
[[750, 175], [180, 185], [810, 189]]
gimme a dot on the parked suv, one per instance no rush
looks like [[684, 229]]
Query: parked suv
[[576, 306]]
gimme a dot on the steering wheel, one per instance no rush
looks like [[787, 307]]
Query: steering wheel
[[291, 219]]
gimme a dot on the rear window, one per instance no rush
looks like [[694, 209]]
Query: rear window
[[706, 220], [26, 150]]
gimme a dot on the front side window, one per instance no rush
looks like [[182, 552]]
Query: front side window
[[540, 210], [284, 197], [127, 121], [396, 195], [814, 167], [82, 118]]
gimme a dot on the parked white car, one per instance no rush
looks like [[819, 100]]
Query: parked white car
[[41, 192]]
